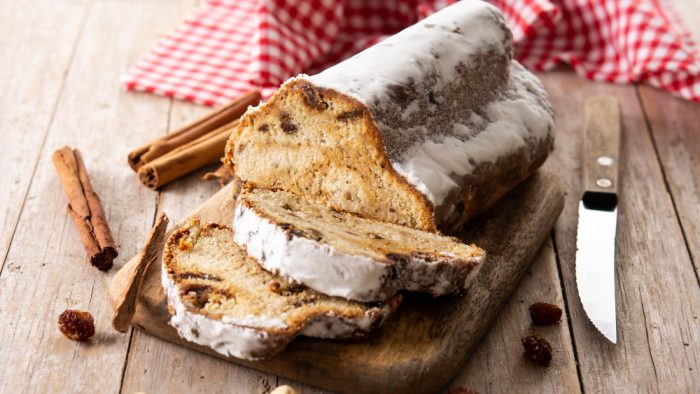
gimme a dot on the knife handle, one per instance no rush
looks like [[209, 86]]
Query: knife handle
[[601, 151]]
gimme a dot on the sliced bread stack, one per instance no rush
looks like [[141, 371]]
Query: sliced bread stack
[[293, 267], [221, 298]]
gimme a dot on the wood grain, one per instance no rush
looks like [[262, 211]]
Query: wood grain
[[498, 364], [32, 72], [45, 272], [658, 298], [675, 128], [601, 129], [429, 339]]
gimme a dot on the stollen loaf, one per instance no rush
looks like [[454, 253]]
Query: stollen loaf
[[425, 129]]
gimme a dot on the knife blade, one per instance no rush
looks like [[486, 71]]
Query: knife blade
[[597, 223]]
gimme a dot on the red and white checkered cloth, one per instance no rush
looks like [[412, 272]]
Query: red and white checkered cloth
[[230, 46]]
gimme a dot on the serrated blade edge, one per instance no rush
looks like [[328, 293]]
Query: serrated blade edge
[[595, 267]]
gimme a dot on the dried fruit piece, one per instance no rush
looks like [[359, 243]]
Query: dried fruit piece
[[287, 125], [537, 349], [544, 314], [198, 275], [350, 115], [76, 325], [313, 98], [274, 286], [309, 233], [198, 294]]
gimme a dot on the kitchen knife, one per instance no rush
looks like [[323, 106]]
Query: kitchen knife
[[597, 214]]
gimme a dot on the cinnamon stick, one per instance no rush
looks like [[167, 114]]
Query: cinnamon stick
[[222, 175], [196, 154], [159, 147], [85, 209]]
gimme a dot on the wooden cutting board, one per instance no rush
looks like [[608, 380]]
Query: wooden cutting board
[[428, 339]]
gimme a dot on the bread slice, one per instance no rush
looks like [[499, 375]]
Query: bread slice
[[425, 129], [221, 298], [342, 255]]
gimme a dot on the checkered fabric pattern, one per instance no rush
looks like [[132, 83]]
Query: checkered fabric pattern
[[230, 46]]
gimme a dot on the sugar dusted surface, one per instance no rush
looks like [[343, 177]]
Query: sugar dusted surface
[[434, 46], [521, 116], [319, 266], [434, 134]]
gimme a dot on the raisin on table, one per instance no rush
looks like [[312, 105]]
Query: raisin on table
[[76, 325], [544, 314], [537, 349]]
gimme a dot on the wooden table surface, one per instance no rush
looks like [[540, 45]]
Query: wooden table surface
[[59, 83]]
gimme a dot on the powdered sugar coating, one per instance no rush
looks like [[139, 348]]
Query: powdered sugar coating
[[319, 266], [446, 96], [521, 116]]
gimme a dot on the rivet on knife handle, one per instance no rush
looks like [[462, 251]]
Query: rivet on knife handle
[[601, 147]]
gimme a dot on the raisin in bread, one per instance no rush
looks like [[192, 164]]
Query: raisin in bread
[[221, 298], [425, 129], [342, 255]]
